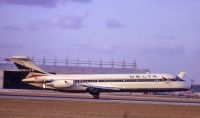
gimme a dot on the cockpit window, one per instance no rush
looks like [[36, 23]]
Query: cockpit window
[[164, 78], [178, 79]]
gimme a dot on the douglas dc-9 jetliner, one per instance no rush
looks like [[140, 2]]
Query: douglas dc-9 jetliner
[[97, 83]]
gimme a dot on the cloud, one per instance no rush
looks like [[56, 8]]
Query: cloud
[[41, 3], [127, 49], [100, 48], [62, 21], [193, 0], [165, 37], [68, 22], [164, 50], [82, 1], [113, 23], [39, 24], [12, 28], [10, 46], [197, 52]]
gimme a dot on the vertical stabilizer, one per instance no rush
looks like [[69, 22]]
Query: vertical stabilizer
[[24, 63]]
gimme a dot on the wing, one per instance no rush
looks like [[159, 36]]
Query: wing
[[101, 88]]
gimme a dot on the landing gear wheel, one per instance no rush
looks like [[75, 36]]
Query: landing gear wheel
[[96, 95], [94, 92]]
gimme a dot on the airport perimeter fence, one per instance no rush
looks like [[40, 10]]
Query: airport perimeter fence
[[81, 63]]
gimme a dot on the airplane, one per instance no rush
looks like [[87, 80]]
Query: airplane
[[94, 84]]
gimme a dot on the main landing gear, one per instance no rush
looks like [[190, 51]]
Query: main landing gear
[[94, 92], [95, 95]]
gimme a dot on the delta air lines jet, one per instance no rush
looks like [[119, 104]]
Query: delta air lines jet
[[97, 83]]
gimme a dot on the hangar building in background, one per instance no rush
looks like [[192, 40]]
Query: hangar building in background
[[10, 77]]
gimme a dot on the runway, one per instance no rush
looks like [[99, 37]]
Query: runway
[[105, 97]]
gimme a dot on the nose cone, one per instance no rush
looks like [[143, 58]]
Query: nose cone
[[187, 86]]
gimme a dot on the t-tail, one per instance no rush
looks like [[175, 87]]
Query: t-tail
[[24, 63]]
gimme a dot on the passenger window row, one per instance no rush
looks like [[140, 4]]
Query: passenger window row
[[124, 80]]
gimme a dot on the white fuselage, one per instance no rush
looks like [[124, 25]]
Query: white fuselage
[[111, 82]]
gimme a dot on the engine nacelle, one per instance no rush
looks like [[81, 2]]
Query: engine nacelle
[[61, 83]]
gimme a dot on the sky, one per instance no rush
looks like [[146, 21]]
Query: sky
[[161, 35]]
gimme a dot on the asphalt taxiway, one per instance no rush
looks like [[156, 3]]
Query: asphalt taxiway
[[105, 97]]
